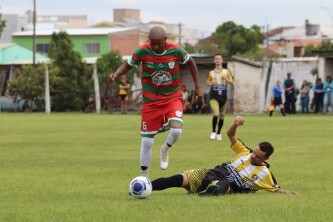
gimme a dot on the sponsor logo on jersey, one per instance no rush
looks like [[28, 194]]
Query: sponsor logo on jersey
[[218, 87], [161, 77]]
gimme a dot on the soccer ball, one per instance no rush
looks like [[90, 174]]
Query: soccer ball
[[140, 187]]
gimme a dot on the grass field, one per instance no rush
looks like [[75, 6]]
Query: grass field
[[77, 167]]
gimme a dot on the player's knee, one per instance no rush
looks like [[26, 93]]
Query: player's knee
[[147, 143], [216, 113], [176, 132]]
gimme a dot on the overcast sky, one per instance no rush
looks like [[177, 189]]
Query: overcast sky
[[204, 15]]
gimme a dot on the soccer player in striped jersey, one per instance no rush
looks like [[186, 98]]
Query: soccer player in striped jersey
[[218, 79], [247, 172], [162, 107]]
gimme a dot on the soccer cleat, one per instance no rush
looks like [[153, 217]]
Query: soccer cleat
[[213, 136], [164, 156], [212, 189], [144, 173], [219, 137]]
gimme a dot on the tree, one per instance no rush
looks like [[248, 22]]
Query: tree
[[28, 86], [72, 86], [325, 45], [2, 24], [107, 64], [231, 39], [189, 48]]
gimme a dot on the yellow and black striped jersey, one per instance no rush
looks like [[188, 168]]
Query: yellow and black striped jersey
[[248, 176], [218, 82], [217, 78]]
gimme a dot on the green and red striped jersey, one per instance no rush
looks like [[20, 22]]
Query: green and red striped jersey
[[160, 72]]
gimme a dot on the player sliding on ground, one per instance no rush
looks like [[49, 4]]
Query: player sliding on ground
[[247, 172]]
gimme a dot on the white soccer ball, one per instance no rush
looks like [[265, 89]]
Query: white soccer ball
[[140, 187]]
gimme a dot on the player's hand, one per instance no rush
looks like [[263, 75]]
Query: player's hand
[[112, 78], [198, 94], [239, 120]]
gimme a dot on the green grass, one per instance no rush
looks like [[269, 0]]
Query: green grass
[[77, 167]]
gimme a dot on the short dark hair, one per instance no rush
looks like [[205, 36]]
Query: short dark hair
[[218, 54], [266, 147]]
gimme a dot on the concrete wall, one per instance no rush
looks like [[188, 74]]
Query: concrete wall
[[248, 93], [328, 67], [246, 89]]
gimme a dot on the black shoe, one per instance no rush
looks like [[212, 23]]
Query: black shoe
[[212, 190]]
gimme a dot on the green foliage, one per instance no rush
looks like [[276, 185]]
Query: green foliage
[[29, 86], [107, 64], [2, 24], [190, 48], [325, 45], [314, 71], [77, 167], [308, 50], [257, 55], [71, 87], [231, 39]]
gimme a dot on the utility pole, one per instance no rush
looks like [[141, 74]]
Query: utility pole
[[267, 43], [180, 33], [34, 37]]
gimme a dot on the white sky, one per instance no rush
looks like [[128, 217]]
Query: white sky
[[204, 15]]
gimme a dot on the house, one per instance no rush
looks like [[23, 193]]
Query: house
[[11, 56], [18, 23], [291, 41], [89, 42], [176, 33]]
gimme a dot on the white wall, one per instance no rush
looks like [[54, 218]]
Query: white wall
[[246, 87]]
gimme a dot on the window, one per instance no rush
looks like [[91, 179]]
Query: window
[[90, 48], [42, 48]]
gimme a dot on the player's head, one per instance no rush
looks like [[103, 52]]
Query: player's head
[[278, 83], [261, 153], [157, 39], [123, 78], [218, 59]]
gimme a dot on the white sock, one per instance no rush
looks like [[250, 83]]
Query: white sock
[[145, 152], [173, 136]]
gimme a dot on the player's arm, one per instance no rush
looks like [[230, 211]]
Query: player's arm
[[229, 78], [209, 80], [124, 68], [195, 76], [239, 121], [281, 191]]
